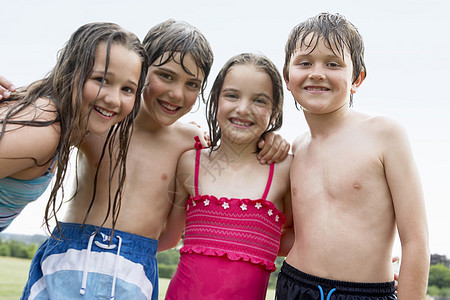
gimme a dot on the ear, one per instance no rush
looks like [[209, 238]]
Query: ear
[[358, 82], [286, 78]]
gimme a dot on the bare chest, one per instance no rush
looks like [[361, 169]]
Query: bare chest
[[339, 173], [151, 168]]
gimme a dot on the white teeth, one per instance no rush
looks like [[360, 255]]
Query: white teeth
[[316, 89], [104, 112], [242, 123], [168, 106]]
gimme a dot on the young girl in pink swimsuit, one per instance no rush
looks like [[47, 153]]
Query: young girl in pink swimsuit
[[236, 208]]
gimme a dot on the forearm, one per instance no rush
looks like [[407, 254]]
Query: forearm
[[287, 240], [414, 270], [173, 229], [165, 242]]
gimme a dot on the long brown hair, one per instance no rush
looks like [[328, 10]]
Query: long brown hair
[[74, 66]]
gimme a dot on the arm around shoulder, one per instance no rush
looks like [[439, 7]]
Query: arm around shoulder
[[175, 222], [287, 231]]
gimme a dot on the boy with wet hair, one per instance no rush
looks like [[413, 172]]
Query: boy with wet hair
[[354, 180]]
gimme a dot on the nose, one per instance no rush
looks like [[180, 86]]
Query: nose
[[242, 106], [317, 73], [176, 93], [111, 97]]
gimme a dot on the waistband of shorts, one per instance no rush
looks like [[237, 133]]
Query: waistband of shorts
[[80, 234], [376, 288]]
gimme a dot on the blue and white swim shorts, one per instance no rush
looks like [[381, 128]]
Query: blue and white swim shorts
[[85, 266]]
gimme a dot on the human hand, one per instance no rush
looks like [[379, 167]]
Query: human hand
[[6, 87], [205, 133], [396, 260], [273, 148]]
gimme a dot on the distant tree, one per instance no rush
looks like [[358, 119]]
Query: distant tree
[[18, 249], [274, 275], [433, 290], [439, 276], [15, 248], [5, 250], [445, 292], [168, 257], [166, 271]]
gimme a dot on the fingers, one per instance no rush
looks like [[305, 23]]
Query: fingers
[[396, 259], [273, 148], [206, 136], [194, 123], [6, 87]]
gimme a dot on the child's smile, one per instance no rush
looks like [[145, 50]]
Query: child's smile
[[170, 91]]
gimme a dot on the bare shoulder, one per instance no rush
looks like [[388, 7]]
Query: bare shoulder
[[384, 127], [37, 141], [300, 141], [22, 146], [47, 109], [187, 158], [285, 165], [43, 109], [282, 173], [185, 134]]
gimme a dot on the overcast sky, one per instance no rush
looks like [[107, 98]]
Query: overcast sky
[[407, 57]]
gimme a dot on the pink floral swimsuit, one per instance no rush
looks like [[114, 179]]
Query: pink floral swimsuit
[[230, 246]]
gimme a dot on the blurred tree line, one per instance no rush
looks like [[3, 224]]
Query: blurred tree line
[[15, 248], [439, 281]]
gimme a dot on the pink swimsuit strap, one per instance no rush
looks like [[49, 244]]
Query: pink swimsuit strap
[[198, 146]]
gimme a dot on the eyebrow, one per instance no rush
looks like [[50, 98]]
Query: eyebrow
[[161, 68], [102, 73], [256, 95]]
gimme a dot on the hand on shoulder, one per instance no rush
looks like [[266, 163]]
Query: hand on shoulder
[[6, 87], [188, 131]]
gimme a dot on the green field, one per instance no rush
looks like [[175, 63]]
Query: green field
[[14, 274]]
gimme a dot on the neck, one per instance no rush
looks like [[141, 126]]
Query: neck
[[237, 152], [324, 124], [146, 122]]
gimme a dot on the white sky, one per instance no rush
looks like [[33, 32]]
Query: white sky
[[407, 52]]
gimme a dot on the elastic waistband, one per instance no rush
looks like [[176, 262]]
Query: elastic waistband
[[79, 234], [361, 288]]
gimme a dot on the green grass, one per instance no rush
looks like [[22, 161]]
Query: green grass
[[14, 275]]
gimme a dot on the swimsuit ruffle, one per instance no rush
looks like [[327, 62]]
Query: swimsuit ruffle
[[230, 255]]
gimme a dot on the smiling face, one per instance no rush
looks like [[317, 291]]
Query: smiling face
[[117, 95], [245, 104], [170, 92], [319, 79]]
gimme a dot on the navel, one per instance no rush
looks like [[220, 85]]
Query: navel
[[356, 186]]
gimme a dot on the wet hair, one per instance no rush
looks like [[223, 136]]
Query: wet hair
[[261, 63], [175, 37], [74, 65], [337, 33]]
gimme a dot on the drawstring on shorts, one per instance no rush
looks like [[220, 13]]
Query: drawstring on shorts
[[86, 262], [329, 293]]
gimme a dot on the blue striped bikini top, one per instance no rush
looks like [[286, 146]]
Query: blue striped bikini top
[[15, 194]]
